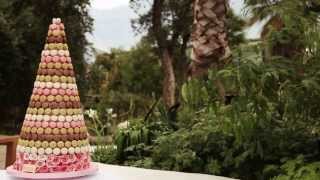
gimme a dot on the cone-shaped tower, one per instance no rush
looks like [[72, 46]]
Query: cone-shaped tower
[[54, 136]]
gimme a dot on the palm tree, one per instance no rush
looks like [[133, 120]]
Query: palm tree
[[274, 12], [209, 38], [210, 47]]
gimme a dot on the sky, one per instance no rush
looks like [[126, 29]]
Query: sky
[[108, 4], [107, 34]]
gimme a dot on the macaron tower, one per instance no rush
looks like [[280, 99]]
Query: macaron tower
[[54, 138]]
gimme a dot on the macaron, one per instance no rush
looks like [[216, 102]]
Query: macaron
[[61, 52], [57, 65], [38, 124], [49, 85], [76, 130], [50, 65], [61, 118], [56, 85], [63, 131], [54, 118], [71, 150], [74, 143], [33, 130], [44, 144], [58, 98], [52, 124], [63, 59], [45, 123], [40, 131], [70, 130], [64, 150], [47, 130], [55, 59], [64, 137], [47, 111], [41, 151], [33, 150], [54, 91], [50, 98], [31, 123], [46, 92], [60, 144], [53, 144], [66, 124], [47, 59], [60, 124], [77, 149], [55, 131], [69, 119], [48, 151], [73, 123], [56, 151], [37, 144], [62, 104]]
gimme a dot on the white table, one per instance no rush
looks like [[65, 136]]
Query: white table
[[112, 172]]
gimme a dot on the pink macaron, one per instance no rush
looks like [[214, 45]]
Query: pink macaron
[[69, 59], [66, 124], [46, 92], [74, 124], [45, 124], [31, 123], [39, 91], [55, 59], [38, 124], [63, 59], [62, 92], [48, 59], [60, 124], [69, 92], [52, 124], [53, 27], [54, 92]]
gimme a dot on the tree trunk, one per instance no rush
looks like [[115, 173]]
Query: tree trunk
[[210, 47], [209, 38], [169, 81]]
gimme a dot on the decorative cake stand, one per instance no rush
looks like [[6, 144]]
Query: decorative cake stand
[[61, 175]]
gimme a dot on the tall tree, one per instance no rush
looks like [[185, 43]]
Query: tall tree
[[168, 23]]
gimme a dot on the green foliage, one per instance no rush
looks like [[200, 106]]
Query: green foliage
[[270, 126], [126, 81], [104, 154], [298, 169]]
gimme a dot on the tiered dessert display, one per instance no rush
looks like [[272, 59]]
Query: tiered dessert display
[[53, 141]]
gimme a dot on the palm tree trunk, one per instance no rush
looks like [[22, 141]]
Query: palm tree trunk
[[209, 39]]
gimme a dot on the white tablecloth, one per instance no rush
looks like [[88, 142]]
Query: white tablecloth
[[112, 172]]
